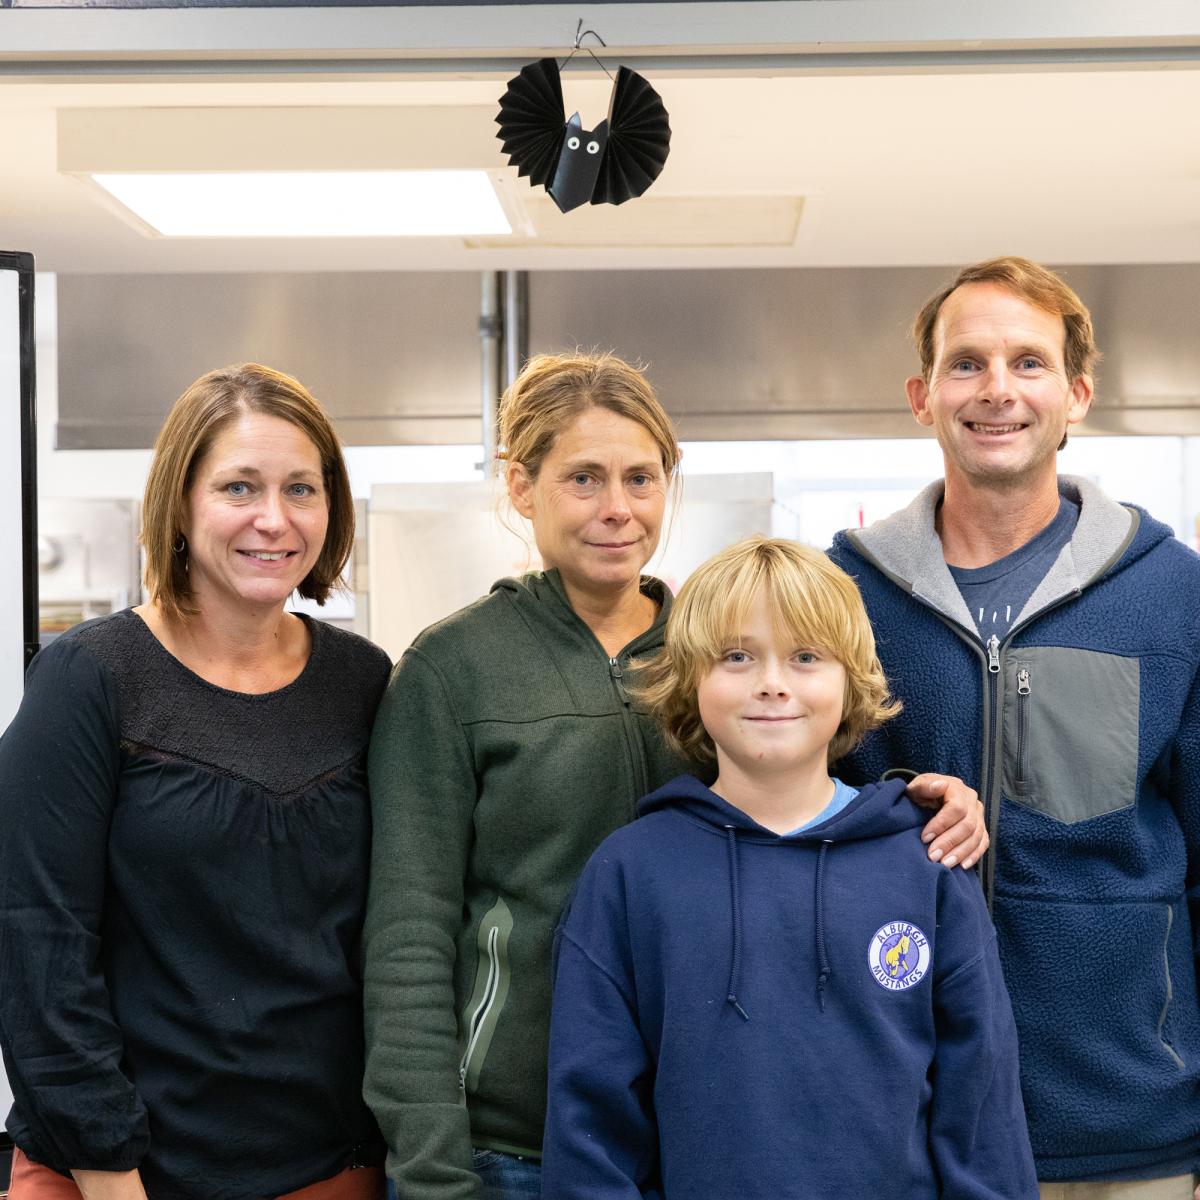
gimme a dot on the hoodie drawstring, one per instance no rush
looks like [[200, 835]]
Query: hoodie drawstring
[[823, 970], [736, 905]]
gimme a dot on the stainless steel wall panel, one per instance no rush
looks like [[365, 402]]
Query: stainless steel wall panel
[[735, 354], [751, 354], [394, 357], [824, 353]]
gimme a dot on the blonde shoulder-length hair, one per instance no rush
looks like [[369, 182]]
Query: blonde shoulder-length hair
[[813, 601]]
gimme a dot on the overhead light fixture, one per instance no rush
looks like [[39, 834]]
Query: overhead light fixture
[[312, 203]]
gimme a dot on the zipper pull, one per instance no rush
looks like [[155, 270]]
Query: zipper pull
[[614, 669], [993, 651], [1023, 682], [462, 1077]]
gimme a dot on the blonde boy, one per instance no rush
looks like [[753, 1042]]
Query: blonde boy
[[764, 988]]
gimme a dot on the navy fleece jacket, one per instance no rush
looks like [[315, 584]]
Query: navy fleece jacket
[[1082, 736], [741, 1015]]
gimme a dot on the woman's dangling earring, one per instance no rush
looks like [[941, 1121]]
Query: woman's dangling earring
[[180, 544]]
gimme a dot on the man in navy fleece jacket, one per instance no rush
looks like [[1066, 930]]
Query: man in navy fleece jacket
[[1045, 642]]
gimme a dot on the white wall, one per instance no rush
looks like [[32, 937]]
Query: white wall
[[827, 486]]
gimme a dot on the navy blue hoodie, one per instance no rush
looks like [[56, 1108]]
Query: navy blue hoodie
[[740, 1015]]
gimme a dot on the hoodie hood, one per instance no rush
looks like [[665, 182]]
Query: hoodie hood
[[879, 810], [905, 547], [541, 597]]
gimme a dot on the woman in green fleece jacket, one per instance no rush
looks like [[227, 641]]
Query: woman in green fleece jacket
[[506, 749]]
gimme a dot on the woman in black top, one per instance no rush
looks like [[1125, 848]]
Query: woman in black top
[[184, 835]]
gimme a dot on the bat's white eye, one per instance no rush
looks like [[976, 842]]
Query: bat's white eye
[[572, 143], [593, 147]]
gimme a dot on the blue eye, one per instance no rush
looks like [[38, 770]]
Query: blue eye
[[302, 490], [238, 488], [734, 656], [806, 656]]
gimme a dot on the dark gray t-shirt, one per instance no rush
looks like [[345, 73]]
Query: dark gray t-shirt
[[995, 594]]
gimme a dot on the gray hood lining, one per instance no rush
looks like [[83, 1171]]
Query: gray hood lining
[[906, 547]]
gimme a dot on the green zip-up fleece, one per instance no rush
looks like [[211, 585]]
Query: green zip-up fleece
[[505, 751]]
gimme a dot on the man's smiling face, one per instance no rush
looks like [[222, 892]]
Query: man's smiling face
[[998, 396]]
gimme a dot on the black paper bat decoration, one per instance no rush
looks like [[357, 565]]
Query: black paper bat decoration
[[610, 164]]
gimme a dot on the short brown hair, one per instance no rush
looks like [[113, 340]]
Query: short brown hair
[[187, 435], [813, 600], [553, 389], [1031, 282]]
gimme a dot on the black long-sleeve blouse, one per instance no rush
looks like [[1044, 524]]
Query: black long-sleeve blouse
[[182, 884]]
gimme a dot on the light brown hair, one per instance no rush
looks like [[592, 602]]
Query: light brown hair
[[813, 601], [553, 389], [1037, 286], [187, 435]]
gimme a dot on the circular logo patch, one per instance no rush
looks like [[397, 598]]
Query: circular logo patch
[[898, 956]]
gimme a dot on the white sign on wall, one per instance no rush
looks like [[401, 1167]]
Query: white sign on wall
[[12, 640]]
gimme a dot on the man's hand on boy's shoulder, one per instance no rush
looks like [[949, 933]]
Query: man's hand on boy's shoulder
[[957, 832]]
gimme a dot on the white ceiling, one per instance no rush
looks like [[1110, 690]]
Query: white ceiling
[[1073, 165]]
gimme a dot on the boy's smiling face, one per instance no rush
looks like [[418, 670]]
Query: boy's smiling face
[[770, 706]]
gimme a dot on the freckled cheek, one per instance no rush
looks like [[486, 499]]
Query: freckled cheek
[[713, 700], [839, 699]]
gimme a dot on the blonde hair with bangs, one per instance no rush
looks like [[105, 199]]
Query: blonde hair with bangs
[[815, 602]]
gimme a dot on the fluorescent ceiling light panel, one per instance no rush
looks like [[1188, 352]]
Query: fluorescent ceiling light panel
[[312, 203]]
